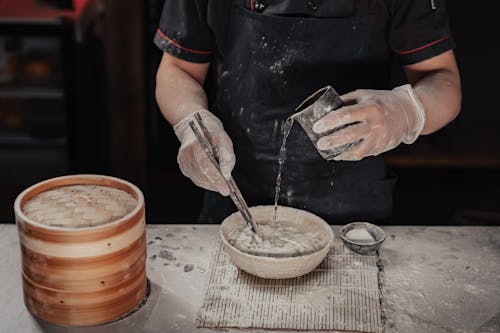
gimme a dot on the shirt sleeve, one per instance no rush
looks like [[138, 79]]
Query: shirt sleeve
[[419, 29], [183, 31]]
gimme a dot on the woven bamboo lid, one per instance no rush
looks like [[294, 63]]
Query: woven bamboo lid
[[78, 206]]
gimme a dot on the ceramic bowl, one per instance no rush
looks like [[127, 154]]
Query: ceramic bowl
[[282, 267], [363, 248]]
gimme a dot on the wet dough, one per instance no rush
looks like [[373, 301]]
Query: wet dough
[[276, 239]]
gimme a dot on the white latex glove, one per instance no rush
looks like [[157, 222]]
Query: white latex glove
[[383, 119], [194, 162]]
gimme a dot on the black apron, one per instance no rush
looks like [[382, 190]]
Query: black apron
[[271, 64]]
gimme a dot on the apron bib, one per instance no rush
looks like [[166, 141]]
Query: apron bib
[[271, 64]]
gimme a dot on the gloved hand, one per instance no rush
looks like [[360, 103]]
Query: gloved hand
[[382, 119], [194, 162]]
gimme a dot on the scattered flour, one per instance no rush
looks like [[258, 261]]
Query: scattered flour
[[276, 239]]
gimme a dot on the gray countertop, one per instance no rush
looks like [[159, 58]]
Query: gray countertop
[[437, 279]]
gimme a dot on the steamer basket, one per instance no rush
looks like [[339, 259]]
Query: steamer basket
[[87, 275]]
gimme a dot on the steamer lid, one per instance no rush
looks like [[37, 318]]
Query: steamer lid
[[78, 206]]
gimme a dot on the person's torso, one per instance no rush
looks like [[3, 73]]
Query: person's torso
[[275, 55]]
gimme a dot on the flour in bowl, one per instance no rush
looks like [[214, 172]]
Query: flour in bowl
[[276, 239]]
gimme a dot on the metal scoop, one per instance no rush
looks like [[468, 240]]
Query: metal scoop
[[213, 154], [316, 107]]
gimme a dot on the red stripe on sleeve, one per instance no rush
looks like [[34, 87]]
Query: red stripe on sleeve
[[424, 46], [180, 46]]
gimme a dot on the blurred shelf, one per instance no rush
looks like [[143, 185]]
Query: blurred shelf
[[31, 92], [20, 141], [25, 14]]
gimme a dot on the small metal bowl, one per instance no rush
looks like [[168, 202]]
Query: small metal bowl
[[363, 248]]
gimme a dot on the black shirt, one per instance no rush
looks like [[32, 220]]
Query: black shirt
[[194, 30]]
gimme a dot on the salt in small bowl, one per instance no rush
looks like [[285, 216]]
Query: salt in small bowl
[[363, 248]]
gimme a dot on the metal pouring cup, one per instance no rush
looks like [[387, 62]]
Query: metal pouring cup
[[316, 107]]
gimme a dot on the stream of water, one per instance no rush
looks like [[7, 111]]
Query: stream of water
[[285, 131]]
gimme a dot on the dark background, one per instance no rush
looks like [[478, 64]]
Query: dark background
[[94, 112]]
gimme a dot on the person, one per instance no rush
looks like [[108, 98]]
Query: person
[[245, 65]]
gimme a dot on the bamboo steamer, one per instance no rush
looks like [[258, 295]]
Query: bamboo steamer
[[85, 275]]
